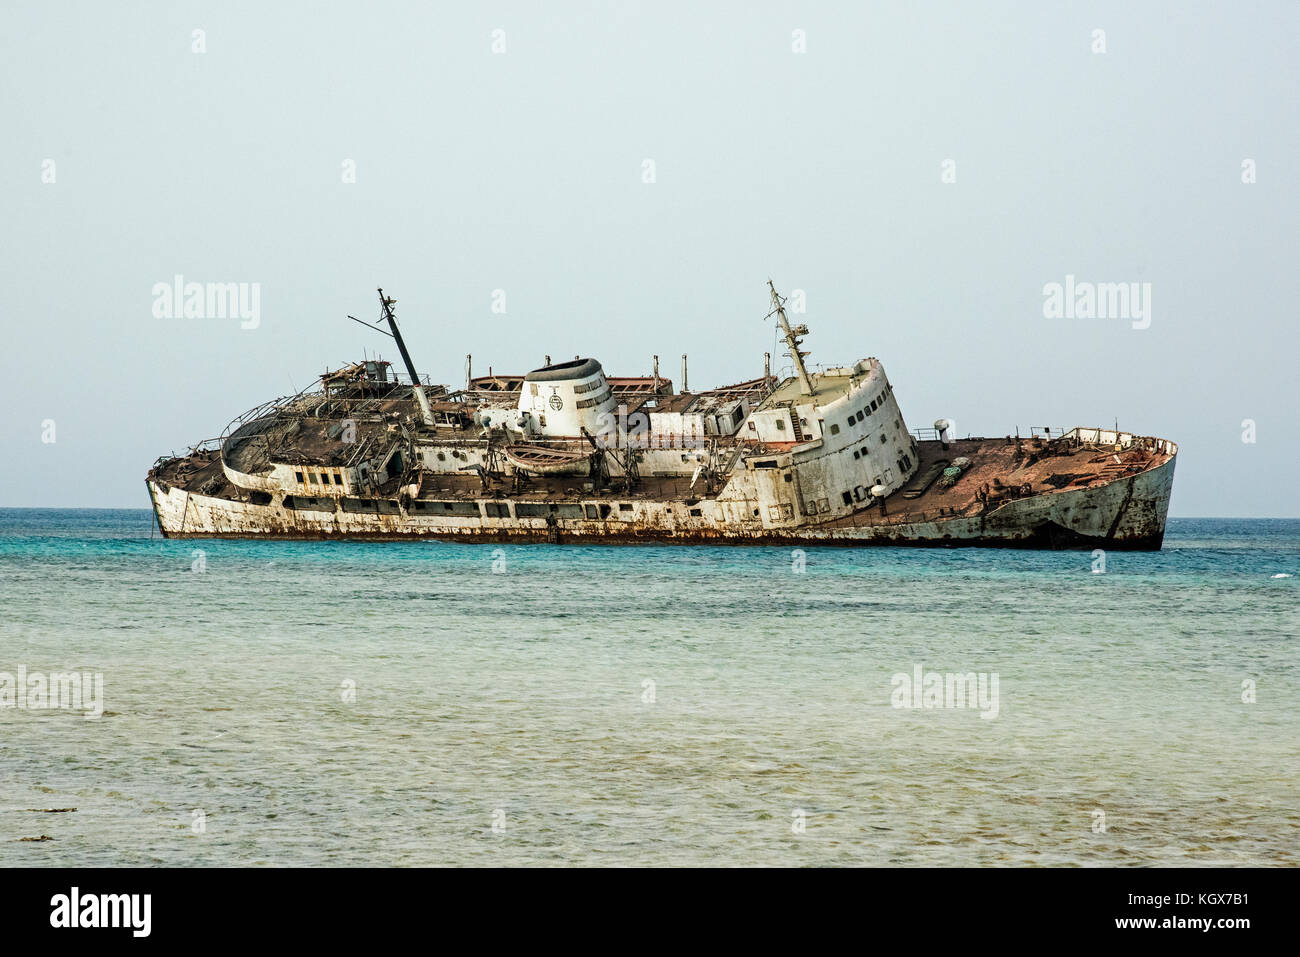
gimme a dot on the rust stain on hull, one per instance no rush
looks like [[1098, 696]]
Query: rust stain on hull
[[1125, 514]]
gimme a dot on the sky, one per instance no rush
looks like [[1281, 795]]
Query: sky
[[621, 179]]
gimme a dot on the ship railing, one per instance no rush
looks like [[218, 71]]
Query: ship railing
[[401, 378], [259, 412], [1108, 438], [1040, 431], [872, 516]]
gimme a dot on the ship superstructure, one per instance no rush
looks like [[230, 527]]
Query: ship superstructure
[[566, 453]]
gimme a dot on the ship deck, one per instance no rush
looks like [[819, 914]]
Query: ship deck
[[1044, 467]]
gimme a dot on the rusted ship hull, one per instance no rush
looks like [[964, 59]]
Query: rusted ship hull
[[1126, 513]]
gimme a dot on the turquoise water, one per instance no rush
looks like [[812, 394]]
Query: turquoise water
[[350, 703]]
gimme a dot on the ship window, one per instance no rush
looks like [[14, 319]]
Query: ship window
[[446, 506], [835, 429], [873, 404], [788, 477], [882, 438], [780, 425], [856, 453], [442, 456], [754, 428], [298, 475], [848, 497], [696, 513], [311, 478], [624, 507]]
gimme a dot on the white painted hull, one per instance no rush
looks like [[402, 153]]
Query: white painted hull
[[1128, 512]]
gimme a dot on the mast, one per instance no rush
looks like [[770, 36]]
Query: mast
[[425, 412], [792, 340]]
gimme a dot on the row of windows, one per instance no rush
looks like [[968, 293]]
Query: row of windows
[[861, 493], [865, 411], [588, 386], [594, 400], [904, 463], [323, 478]]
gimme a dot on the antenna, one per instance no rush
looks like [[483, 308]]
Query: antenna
[[792, 340]]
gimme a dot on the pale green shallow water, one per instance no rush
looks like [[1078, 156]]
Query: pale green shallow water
[[523, 691]]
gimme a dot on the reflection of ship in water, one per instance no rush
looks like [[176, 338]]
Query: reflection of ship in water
[[567, 454]]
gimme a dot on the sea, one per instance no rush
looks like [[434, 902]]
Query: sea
[[414, 704]]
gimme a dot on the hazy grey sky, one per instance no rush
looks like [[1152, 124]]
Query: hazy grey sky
[[523, 171]]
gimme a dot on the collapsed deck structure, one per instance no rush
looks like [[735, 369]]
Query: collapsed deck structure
[[565, 453]]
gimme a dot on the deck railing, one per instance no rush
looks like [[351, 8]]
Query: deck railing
[[1041, 431]]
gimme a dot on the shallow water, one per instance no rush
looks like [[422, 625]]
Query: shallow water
[[421, 703]]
